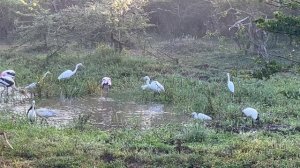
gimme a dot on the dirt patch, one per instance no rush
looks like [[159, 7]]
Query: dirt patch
[[135, 165], [202, 66], [134, 162], [107, 157], [284, 129], [276, 128], [5, 163], [180, 148], [14, 163], [160, 151]]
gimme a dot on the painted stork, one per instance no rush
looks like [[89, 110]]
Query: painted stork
[[105, 85], [10, 73]]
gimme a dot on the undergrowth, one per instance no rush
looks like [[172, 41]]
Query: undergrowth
[[167, 146]]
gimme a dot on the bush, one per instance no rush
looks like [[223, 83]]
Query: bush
[[267, 70]]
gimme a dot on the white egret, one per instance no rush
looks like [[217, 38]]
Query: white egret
[[230, 84], [69, 73], [45, 113], [201, 116], [33, 86], [154, 86], [251, 112], [105, 84], [31, 114], [10, 73]]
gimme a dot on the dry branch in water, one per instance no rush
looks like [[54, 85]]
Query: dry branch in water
[[4, 135]]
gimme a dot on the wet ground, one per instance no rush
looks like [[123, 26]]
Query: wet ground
[[105, 113]]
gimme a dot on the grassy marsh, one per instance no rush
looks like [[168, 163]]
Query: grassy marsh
[[228, 141]]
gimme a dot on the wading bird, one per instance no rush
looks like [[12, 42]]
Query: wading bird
[[105, 85], [154, 86], [6, 82], [45, 113], [66, 75], [201, 116], [69, 73], [31, 88], [251, 112], [10, 73], [230, 84], [31, 114]]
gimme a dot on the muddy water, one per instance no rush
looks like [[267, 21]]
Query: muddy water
[[105, 112]]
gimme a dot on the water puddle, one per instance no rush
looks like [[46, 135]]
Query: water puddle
[[105, 112]]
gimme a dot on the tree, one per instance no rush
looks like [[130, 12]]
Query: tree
[[177, 18], [53, 23], [286, 19], [8, 15]]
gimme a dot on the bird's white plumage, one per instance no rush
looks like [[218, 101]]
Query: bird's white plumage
[[10, 73], [68, 73], [153, 85], [7, 81], [31, 114], [45, 113], [31, 86], [250, 112], [106, 81], [144, 87], [230, 84], [201, 116]]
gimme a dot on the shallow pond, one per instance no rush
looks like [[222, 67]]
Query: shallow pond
[[105, 113]]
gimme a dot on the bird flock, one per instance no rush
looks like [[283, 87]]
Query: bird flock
[[248, 112], [7, 80]]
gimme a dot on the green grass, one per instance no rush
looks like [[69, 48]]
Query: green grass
[[38, 146], [228, 141]]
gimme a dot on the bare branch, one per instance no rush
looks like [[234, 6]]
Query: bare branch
[[4, 135], [238, 23]]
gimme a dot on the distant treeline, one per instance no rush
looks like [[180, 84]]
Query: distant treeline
[[51, 23]]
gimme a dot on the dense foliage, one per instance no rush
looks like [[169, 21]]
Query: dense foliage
[[286, 19], [55, 23]]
